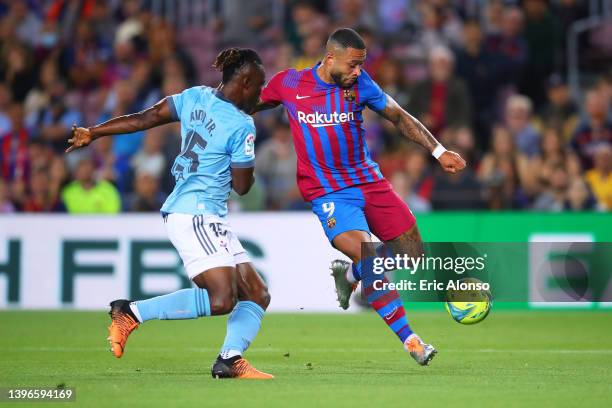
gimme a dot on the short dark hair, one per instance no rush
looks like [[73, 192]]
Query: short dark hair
[[347, 38], [230, 60]]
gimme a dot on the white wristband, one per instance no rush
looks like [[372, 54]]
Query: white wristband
[[438, 151]]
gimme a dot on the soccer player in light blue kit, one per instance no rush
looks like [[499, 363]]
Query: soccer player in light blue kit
[[218, 154]]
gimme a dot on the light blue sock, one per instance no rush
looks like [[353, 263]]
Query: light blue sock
[[242, 327], [182, 304]]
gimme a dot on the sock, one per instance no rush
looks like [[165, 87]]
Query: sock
[[353, 274], [387, 304], [242, 327], [182, 304], [227, 354]]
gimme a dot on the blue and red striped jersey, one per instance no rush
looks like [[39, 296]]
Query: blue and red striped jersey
[[327, 126]]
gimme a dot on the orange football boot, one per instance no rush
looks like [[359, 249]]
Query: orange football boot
[[123, 322], [241, 368]]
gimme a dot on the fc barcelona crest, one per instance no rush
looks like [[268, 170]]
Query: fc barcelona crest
[[349, 95], [331, 223]]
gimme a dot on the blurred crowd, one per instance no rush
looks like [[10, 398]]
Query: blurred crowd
[[486, 77]]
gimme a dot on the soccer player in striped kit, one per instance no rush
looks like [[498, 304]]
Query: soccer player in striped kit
[[337, 176]]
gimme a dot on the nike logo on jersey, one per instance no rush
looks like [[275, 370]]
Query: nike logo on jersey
[[302, 97]]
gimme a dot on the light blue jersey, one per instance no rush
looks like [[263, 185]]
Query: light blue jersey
[[216, 136]]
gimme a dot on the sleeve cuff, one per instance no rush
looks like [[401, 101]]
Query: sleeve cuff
[[172, 106], [383, 103], [243, 165]]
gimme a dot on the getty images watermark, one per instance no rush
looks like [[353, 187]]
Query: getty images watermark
[[512, 271], [458, 265]]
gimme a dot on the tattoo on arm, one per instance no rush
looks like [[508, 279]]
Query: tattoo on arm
[[408, 125], [158, 114]]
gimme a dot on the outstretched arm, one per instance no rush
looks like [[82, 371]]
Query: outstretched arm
[[158, 114], [414, 130]]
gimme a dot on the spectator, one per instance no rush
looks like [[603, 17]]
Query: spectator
[[442, 100], [243, 22], [16, 70], [5, 103], [27, 24], [460, 191], [55, 121], [39, 96], [85, 195], [147, 196], [376, 55], [354, 13], [14, 157], [40, 197], [59, 176], [543, 36], [440, 27], [122, 102], [559, 111], [594, 130], [81, 61], [600, 176], [553, 154], [163, 46], [6, 205], [85, 57], [402, 185], [503, 171], [150, 159], [553, 197], [518, 120], [481, 71], [311, 52], [579, 197], [418, 171], [276, 166], [509, 42]]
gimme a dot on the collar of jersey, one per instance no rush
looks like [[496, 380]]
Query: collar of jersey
[[218, 94], [318, 79]]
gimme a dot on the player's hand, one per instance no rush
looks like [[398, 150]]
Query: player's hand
[[451, 162], [80, 137]]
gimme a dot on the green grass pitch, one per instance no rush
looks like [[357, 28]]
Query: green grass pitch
[[514, 358]]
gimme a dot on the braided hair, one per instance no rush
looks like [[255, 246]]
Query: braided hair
[[231, 60]]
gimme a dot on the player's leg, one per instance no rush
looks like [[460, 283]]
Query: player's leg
[[215, 295], [211, 269], [245, 319], [343, 221], [243, 325], [392, 221], [387, 303]]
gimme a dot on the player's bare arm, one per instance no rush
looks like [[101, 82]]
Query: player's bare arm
[[156, 115], [414, 130], [261, 106], [242, 179]]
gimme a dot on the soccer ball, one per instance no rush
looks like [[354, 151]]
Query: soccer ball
[[468, 306]]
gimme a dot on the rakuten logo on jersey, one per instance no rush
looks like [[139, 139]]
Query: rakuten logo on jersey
[[325, 119]]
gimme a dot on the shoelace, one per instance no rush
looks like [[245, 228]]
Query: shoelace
[[415, 346], [125, 324], [242, 366]]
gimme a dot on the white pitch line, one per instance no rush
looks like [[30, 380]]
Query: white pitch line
[[302, 350]]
